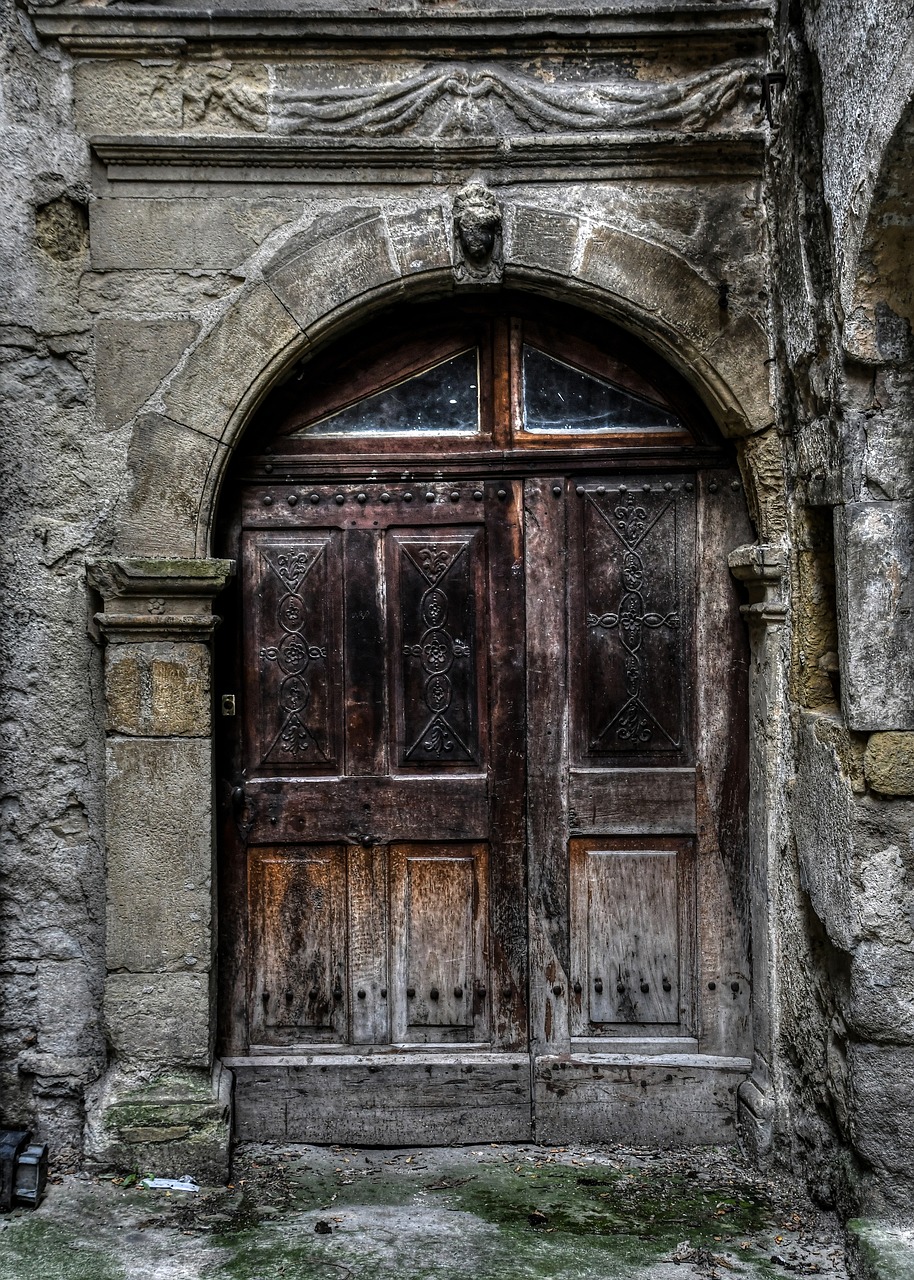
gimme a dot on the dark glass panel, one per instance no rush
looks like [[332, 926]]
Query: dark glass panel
[[559, 398], [443, 400]]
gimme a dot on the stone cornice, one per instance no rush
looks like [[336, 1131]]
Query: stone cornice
[[255, 157], [762, 568], [157, 599], [132, 29]]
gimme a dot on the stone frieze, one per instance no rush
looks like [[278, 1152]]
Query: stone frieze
[[467, 101]]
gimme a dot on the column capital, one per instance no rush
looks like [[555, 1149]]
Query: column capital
[[157, 599], [762, 567]]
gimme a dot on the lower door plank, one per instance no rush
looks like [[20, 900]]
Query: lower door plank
[[663, 1100], [411, 1099]]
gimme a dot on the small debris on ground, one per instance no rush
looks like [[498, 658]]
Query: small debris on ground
[[167, 1184]]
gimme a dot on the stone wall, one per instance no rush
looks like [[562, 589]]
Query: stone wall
[[841, 270], [61, 477]]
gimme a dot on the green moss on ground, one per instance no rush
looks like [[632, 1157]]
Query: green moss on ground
[[35, 1249]]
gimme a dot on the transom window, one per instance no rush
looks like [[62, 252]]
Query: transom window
[[480, 376]]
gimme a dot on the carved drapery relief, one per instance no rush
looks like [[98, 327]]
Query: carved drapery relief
[[205, 91], [469, 102]]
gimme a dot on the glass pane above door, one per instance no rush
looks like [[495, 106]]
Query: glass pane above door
[[443, 400], [559, 399]]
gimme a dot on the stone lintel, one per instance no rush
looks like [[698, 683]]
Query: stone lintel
[[248, 158], [762, 568], [90, 31]]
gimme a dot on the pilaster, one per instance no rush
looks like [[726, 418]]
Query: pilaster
[[158, 1106], [762, 569]]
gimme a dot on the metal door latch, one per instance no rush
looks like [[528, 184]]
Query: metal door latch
[[228, 704]]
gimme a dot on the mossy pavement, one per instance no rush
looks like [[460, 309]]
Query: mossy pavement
[[511, 1212]]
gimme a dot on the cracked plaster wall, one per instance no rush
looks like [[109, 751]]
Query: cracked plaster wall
[[59, 480]]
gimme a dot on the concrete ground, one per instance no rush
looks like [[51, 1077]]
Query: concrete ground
[[511, 1212]]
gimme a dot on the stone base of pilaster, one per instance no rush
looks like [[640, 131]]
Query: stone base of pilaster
[[164, 1124], [755, 1119]]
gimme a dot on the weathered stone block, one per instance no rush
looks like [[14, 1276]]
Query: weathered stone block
[[172, 467], [161, 1018], [420, 240], [131, 359], [881, 998], [160, 689], [188, 234], [874, 553], [763, 458], [171, 1123], [62, 986], [740, 356], [888, 460], [823, 826], [889, 763], [542, 239], [879, 1251], [159, 838], [335, 271], [654, 279], [118, 96], [883, 1119], [220, 370]]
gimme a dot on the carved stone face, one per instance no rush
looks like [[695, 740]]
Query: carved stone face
[[478, 241], [477, 218]]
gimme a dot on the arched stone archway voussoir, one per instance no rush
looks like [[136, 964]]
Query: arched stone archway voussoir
[[339, 270]]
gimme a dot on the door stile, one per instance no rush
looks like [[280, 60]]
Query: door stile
[[507, 790], [545, 508], [722, 737], [366, 735]]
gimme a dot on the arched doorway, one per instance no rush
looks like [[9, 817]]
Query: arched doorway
[[483, 868]]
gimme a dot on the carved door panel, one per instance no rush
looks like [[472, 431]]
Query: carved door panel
[[636, 829], [488, 795], [383, 796], [631, 634]]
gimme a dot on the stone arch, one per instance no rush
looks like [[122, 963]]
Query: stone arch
[[337, 271], [878, 152], [878, 335], [884, 276]]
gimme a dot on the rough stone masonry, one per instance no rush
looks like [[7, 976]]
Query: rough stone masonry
[[195, 200]]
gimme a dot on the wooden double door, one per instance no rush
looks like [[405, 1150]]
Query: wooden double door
[[484, 804]]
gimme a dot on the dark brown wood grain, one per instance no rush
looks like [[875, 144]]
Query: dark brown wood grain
[[489, 765], [508, 730], [724, 985], [547, 761]]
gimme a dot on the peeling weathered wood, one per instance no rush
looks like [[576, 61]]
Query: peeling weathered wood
[[722, 876], [547, 760], [670, 1100], [439, 937], [298, 925], [633, 801], [368, 945], [409, 1099]]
